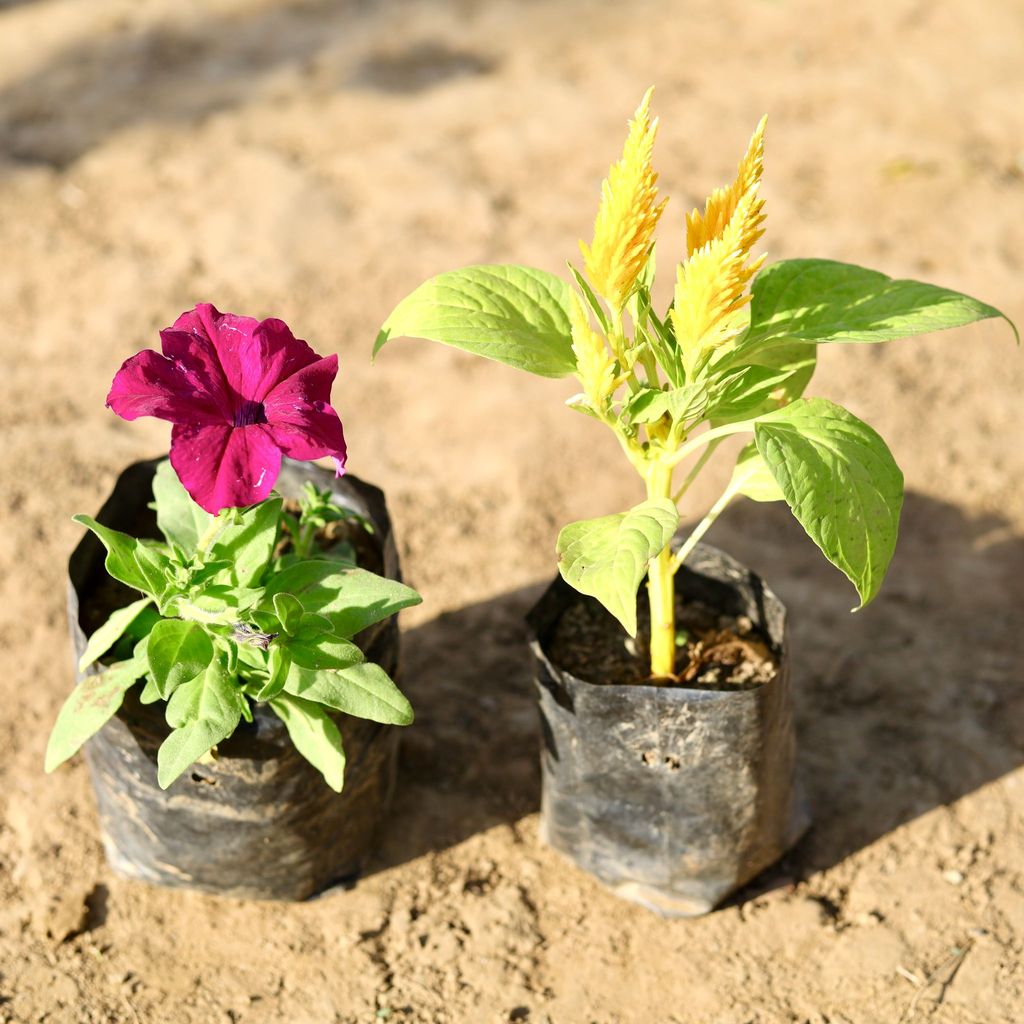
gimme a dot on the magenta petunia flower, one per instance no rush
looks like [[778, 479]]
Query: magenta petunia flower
[[241, 393]]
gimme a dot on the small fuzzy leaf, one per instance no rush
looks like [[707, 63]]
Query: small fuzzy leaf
[[289, 612], [178, 651], [315, 735], [365, 691], [92, 703], [129, 560], [202, 713], [821, 301], [841, 482], [608, 557], [323, 652], [515, 315], [111, 631], [249, 543], [179, 518], [351, 598]]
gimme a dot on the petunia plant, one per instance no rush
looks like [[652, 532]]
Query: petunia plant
[[238, 604], [731, 355]]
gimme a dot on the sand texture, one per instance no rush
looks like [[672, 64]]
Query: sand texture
[[315, 160]]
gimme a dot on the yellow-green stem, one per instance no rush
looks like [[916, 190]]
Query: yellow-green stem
[[661, 587], [211, 531]]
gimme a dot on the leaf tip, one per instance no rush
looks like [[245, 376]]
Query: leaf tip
[[383, 337]]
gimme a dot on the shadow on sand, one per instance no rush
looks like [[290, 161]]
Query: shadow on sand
[[125, 75], [910, 704]]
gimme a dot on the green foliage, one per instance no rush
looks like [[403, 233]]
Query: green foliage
[[514, 315], [820, 300], [734, 370], [841, 482], [111, 631], [237, 621], [92, 704], [608, 557]]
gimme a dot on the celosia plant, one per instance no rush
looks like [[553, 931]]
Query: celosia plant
[[238, 606], [731, 355]]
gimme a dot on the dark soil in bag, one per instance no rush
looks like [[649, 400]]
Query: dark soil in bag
[[672, 795], [257, 821]]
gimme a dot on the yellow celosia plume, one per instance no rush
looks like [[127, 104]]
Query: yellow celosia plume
[[595, 366], [711, 284], [628, 214]]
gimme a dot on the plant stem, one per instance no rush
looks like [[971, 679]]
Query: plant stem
[[697, 467], [211, 531], [661, 586], [701, 528], [707, 438]]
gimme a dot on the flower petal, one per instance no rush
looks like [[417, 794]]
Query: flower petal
[[300, 416], [317, 434], [225, 467], [149, 384]]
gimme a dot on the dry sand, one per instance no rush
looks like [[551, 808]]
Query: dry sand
[[315, 161]]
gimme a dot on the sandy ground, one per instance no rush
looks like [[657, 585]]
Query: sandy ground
[[315, 161]]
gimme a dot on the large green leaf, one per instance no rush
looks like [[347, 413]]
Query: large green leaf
[[177, 652], [752, 477], [202, 713], [841, 481], [515, 315], [365, 691], [129, 560], [821, 300], [179, 518], [608, 557], [111, 631], [351, 598], [249, 542], [315, 735], [92, 703]]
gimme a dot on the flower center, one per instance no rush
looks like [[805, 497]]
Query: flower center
[[250, 412]]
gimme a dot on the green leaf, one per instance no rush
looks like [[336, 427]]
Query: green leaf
[[179, 518], [323, 652], [315, 735], [351, 598], [819, 301], [278, 667], [794, 362], [202, 713], [515, 315], [249, 543], [289, 611], [178, 651], [111, 631], [92, 703], [648, 405], [753, 478], [608, 557], [365, 691], [738, 395], [841, 481], [659, 337], [591, 299], [129, 560]]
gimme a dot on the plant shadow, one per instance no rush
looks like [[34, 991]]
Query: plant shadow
[[110, 80], [908, 705]]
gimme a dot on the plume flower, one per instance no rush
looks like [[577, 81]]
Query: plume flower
[[711, 284], [240, 393], [595, 367], [627, 215]]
